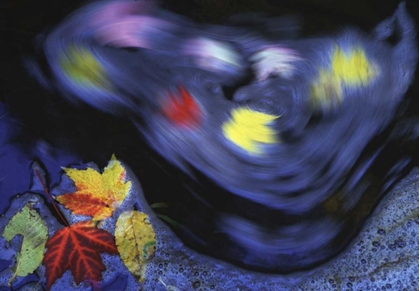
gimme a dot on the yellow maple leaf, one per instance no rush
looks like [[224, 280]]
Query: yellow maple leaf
[[354, 68], [327, 90], [97, 194], [136, 241], [82, 67], [350, 69], [248, 129]]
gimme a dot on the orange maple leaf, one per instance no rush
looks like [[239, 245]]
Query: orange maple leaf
[[76, 248], [97, 194]]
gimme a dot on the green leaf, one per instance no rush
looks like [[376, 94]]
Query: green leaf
[[29, 224], [159, 205], [168, 220], [162, 216]]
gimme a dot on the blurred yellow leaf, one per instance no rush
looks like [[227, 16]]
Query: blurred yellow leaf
[[248, 129], [81, 66], [353, 68], [348, 69], [136, 241]]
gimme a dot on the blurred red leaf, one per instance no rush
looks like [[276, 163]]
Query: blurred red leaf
[[182, 110], [76, 248]]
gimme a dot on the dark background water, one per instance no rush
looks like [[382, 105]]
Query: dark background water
[[36, 124]]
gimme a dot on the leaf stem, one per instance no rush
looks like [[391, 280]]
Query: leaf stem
[[159, 205], [168, 220], [50, 197], [9, 283]]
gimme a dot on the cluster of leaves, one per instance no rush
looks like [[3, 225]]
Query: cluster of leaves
[[77, 247]]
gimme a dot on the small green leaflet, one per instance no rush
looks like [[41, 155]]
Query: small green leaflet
[[29, 224]]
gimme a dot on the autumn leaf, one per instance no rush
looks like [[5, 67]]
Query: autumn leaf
[[29, 224], [97, 194], [136, 241], [182, 110], [76, 248], [82, 67], [249, 129], [274, 60]]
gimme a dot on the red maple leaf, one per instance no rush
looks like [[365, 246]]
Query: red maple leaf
[[182, 110], [76, 248]]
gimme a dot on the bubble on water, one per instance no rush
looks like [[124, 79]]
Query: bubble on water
[[376, 244], [400, 243], [196, 284], [381, 231]]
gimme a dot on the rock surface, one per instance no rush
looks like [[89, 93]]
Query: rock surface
[[384, 256]]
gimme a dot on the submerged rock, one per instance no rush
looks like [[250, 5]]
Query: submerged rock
[[383, 255]]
